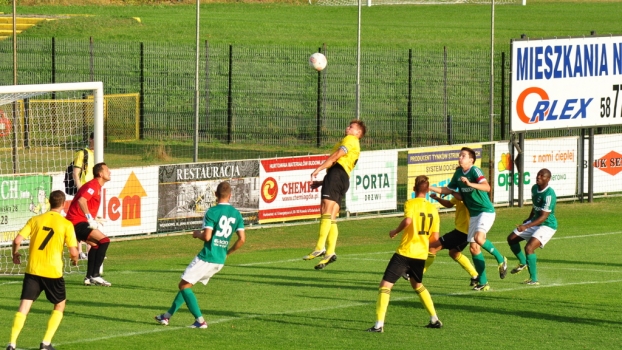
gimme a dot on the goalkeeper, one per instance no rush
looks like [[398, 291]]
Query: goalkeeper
[[82, 213]]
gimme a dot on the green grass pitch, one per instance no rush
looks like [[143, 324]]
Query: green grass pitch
[[268, 298]]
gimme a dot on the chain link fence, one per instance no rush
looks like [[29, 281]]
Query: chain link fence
[[268, 102]]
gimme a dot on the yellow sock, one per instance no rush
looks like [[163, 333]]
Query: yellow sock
[[426, 300], [429, 261], [53, 324], [332, 238], [384, 294], [18, 324], [466, 265], [325, 224]]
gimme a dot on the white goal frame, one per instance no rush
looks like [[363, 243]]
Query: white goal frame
[[98, 98]]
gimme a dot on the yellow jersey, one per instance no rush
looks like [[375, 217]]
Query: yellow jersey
[[462, 216], [349, 144], [78, 161], [48, 233], [416, 237]]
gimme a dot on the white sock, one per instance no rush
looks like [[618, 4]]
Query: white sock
[[201, 319], [433, 319], [379, 324]]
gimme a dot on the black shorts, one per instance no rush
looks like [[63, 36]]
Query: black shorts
[[336, 184], [399, 264], [454, 240], [33, 285], [82, 231]]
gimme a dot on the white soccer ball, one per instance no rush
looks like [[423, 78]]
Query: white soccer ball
[[318, 61]]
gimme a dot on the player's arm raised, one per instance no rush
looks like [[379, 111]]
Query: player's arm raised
[[328, 162]]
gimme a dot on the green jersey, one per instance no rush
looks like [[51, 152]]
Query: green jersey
[[544, 201], [224, 220], [476, 201]]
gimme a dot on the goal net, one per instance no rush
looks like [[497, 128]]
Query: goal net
[[41, 128], [412, 2]]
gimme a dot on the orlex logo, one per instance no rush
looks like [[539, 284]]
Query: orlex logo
[[547, 110], [269, 190], [611, 163]]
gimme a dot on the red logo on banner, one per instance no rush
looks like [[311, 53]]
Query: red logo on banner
[[269, 190], [611, 163]]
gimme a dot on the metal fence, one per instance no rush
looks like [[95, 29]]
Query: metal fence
[[268, 96]]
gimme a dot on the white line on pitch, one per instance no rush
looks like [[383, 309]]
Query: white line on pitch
[[157, 328]]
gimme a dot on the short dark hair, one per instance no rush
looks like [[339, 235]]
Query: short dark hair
[[471, 153], [91, 136], [361, 125], [422, 184], [57, 199], [223, 190], [97, 169], [546, 172]]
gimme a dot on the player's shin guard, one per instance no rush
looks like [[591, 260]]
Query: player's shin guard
[[191, 301], [331, 243], [177, 303], [53, 324], [325, 224], [18, 324], [100, 254], [490, 248], [531, 265], [426, 300], [384, 295], [429, 261], [480, 267], [466, 264], [519, 253]]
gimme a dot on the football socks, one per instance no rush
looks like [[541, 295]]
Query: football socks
[[480, 267], [177, 303], [333, 233], [519, 253], [384, 295], [490, 248], [18, 324], [466, 264], [426, 300], [191, 302], [53, 324], [429, 261], [531, 265], [325, 223]]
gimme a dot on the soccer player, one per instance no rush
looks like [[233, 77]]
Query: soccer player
[[538, 228], [83, 173], [219, 223], [470, 183], [456, 240], [82, 213], [421, 224], [83, 164], [48, 233], [340, 163]]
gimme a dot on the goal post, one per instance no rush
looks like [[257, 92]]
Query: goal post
[[42, 126], [16, 94]]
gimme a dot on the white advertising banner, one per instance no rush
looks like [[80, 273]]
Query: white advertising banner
[[129, 201], [607, 164], [285, 192], [373, 182], [566, 83], [559, 155]]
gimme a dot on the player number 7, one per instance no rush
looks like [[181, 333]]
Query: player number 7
[[47, 238]]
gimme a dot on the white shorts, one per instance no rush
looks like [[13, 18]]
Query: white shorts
[[200, 271], [481, 223], [542, 233]]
